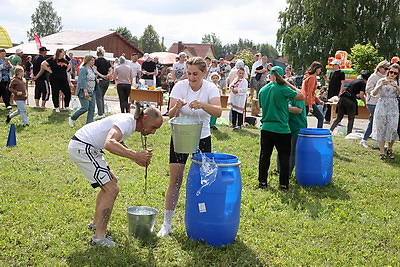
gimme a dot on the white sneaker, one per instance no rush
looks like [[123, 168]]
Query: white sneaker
[[165, 230], [364, 143], [68, 109], [99, 117], [71, 122], [105, 242], [57, 110], [9, 107]]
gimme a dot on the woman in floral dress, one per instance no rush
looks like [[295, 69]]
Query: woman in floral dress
[[386, 114]]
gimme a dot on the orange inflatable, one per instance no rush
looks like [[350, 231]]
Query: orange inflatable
[[395, 59]]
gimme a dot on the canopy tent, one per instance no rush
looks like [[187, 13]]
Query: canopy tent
[[164, 57], [5, 40]]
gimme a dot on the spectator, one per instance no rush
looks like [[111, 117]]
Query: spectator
[[386, 115], [380, 72], [308, 89], [237, 98], [103, 66], [123, 74], [149, 70], [18, 88], [336, 85], [42, 86], [5, 67]]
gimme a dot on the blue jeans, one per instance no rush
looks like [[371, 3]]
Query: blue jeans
[[20, 111], [86, 106], [100, 92], [368, 131], [317, 113]]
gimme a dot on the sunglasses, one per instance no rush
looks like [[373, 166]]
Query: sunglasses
[[393, 72], [386, 68]]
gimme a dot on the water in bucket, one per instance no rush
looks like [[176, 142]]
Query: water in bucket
[[186, 133], [141, 220]]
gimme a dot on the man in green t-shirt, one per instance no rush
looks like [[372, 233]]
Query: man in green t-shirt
[[15, 60], [275, 131]]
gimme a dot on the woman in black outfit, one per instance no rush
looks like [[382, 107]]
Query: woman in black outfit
[[59, 80]]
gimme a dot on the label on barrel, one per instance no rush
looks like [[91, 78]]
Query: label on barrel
[[202, 207]]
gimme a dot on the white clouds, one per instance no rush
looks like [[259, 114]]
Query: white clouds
[[174, 20]]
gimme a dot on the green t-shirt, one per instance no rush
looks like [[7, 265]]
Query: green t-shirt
[[273, 99], [297, 121], [14, 60]]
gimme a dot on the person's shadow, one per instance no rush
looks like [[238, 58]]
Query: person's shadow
[[141, 252]]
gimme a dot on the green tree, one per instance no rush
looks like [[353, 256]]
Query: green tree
[[314, 30], [246, 55], [213, 40], [45, 20], [267, 50], [150, 41], [124, 31], [364, 57]]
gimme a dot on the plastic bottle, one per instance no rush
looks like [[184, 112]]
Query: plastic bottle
[[74, 104]]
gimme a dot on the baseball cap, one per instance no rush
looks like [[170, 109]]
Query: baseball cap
[[43, 48], [278, 69], [335, 62], [181, 54], [18, 51], [146, 56]]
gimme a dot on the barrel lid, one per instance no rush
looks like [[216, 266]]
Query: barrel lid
[[217, 157], [314, 131]]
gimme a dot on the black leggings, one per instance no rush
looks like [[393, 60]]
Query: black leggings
[[5, 93], [123, 93], [57, 86]]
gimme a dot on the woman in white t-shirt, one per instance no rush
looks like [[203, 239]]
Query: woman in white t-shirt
[[198, 99]]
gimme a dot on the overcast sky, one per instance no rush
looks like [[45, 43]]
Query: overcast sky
[[175, 20]]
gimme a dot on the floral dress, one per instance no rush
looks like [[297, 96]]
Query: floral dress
[[386, 114]]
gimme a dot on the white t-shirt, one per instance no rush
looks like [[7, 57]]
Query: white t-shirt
[[95, 133], [136, 67], [254, 67], [207, 92], [180, 69]]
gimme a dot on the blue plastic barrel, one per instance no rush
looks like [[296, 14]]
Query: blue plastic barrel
[[214, 214], [314, 157]]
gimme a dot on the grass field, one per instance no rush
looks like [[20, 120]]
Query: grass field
[[46, 204]]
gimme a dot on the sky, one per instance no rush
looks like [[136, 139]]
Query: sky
[[175, 20]]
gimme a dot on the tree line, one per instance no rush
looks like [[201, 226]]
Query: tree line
[[315, 30]]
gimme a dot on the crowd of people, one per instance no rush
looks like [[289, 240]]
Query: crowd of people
[[195, 85]]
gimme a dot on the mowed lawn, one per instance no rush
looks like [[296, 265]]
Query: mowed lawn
[[46, 205]]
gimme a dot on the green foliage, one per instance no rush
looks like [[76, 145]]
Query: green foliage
[[124, 31], [247, 56], [242, 44], [150, 41], [46, 204], [213, 40], [314, 30], [364, 57], [45, 20]]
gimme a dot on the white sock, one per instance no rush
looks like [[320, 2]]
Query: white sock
[[168, 216]]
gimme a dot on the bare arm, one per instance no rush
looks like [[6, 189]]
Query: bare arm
[[114, 145], [295, 110], [213, 108]]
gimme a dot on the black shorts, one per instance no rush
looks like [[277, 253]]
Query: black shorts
[[204, 146], [42, 89]]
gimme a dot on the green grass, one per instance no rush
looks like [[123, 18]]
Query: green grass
[[46, 204]]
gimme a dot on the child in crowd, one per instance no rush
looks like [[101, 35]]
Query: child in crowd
[[18, 88], [237, 98], [214, 78], [323, 96]]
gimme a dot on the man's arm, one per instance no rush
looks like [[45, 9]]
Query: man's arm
[[113, 144]]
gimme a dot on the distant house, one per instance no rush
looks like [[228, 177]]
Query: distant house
[[193, 50], [81, 40]]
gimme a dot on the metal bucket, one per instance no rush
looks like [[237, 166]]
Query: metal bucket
[[141, 220], [186, 134]]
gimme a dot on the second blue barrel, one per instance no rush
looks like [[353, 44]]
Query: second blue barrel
[[214, 214], [314, 157]]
